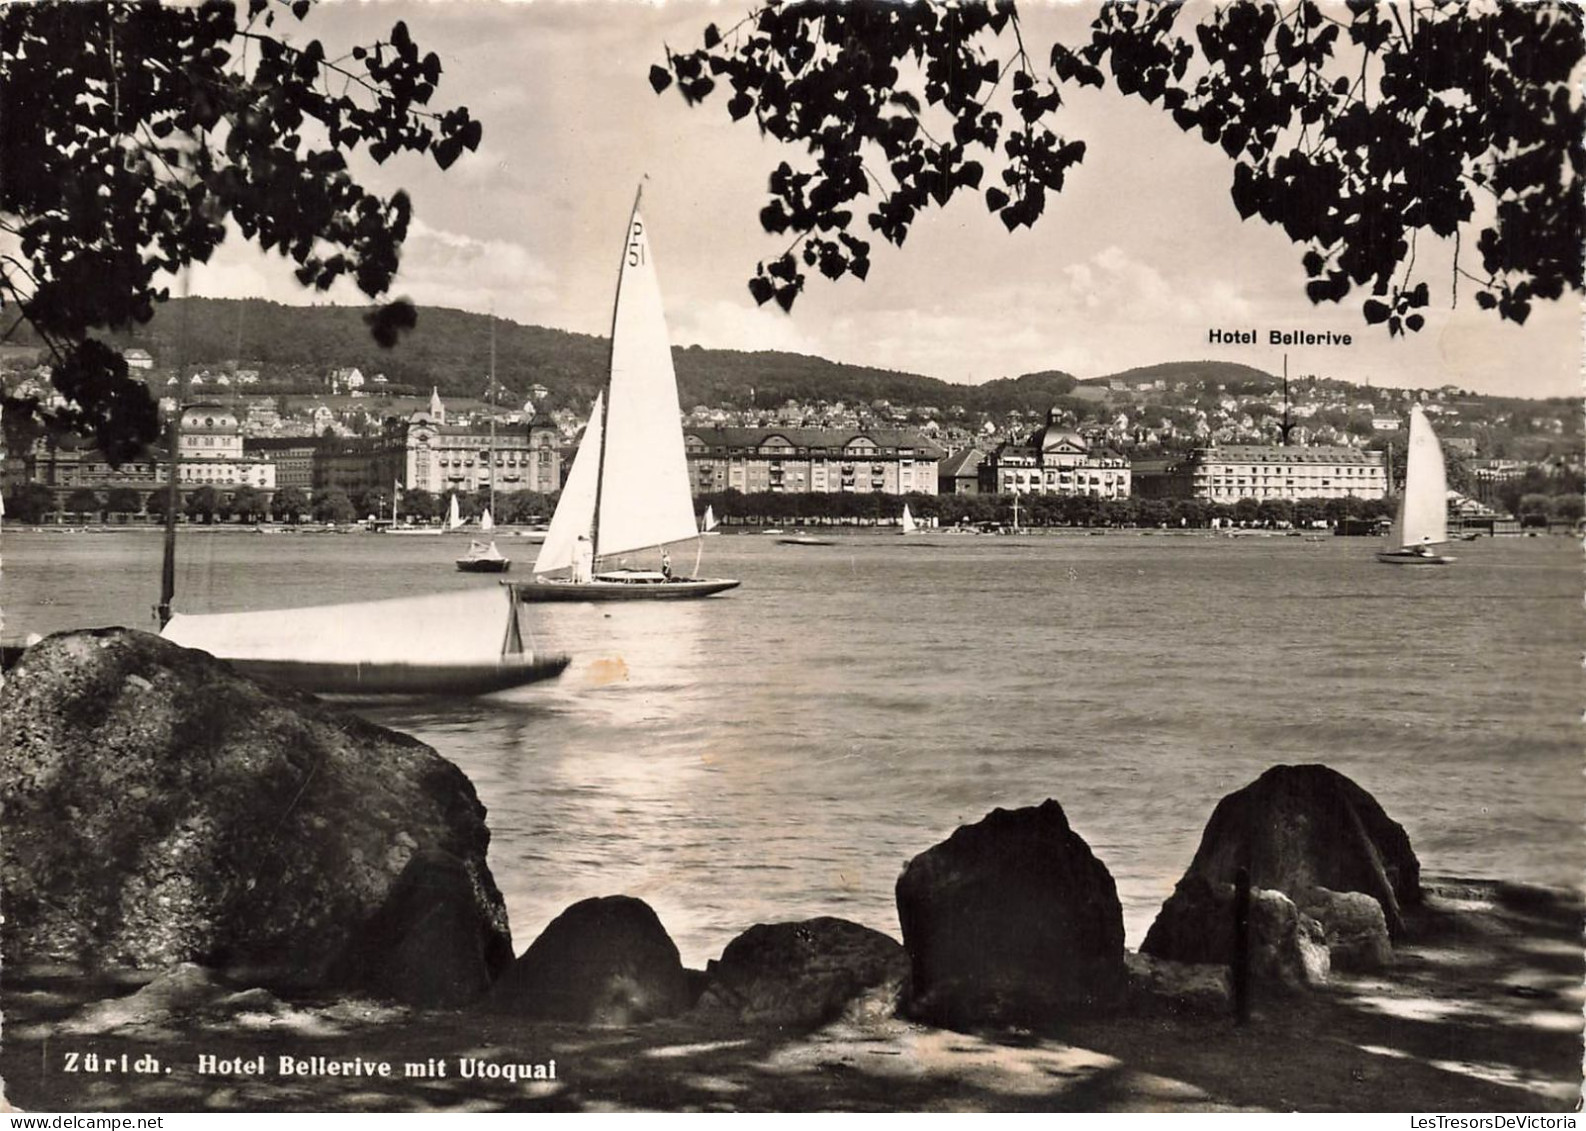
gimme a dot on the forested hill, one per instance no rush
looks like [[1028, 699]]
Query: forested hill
[[450, 349]]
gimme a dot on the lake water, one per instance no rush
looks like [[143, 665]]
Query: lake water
[[781, 751]]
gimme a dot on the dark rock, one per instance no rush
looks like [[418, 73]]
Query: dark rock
[[1196, 925], [1303, 827], [604, 961], [1355, 928], [428, 945], [1181, 986], [1010, 921], [159, 808], [800, 975]]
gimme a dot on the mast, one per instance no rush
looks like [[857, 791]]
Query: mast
[[172, 501], [611, 356], [1288, 424], [173, 492], [492, 415]]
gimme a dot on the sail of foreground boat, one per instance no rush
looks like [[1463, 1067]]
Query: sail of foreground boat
[[628, 489]]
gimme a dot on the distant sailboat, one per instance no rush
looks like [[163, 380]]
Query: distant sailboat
[[906, 524], [454, 515], [486, 523], [628, 488], [707, 525], [483, 557], [1422, 520]]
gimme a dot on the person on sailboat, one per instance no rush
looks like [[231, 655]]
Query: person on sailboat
[[666, 564], [583, 559]]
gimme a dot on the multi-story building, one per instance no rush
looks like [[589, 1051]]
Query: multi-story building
[[293, 457], [442, 457], [210, 452], [66, 464], [1055, 461], [1228, 474], [805, 460], [357, 465]]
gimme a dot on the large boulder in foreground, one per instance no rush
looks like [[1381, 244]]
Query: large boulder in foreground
[[605, 961], [1303, 827], [159, 808], [1010, 921], [800, 975]]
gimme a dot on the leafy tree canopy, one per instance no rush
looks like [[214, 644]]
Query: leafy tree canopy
[[1358, 130], [131, 132]]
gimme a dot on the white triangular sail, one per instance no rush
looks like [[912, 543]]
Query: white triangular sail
[[575, 510], [486, 523], [645, 499], [1423, 511], [907, 523], [708, 523], [454, 516]]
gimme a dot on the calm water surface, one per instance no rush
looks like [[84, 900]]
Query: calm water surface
[[781, 751]]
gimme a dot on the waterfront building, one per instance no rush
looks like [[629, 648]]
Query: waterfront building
[[210, 452], [358, 465], [442, 457], [68, 463], [810, 460], [1240, 471], [1055, 461], [959, 473], [292, 456]]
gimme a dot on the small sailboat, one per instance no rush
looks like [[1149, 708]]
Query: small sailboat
[[486, 523], [454, 514], [707, 525], [906, 524], [628, 488], [1421, 524], [483, 557]]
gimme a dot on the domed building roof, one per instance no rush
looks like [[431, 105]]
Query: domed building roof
[[1056, 435]]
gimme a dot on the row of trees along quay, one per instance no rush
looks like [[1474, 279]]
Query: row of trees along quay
[[32, 503], [138, 134]]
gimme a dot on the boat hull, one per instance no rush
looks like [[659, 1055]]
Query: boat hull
[[677, 589], [484, 565], [353, 678], [1411, 558], [805, 541]]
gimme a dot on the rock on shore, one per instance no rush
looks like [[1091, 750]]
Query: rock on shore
[[1331, 876], [605, 961], [799, 975], [160, 809], [1303, 827], [1011, 920]]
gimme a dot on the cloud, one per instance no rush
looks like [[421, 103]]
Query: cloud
[[723, 324], [444, 268]]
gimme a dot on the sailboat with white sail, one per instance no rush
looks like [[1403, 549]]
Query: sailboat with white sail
[[628, 488], [707, 525], [1421, 524], [906, 524]]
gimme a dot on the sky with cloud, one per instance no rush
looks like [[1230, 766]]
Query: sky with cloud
[[1139, 257]]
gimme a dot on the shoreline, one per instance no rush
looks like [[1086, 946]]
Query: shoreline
[[1482, 1012]]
